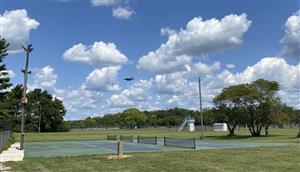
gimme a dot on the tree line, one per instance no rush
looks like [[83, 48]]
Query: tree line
[[43, 111]]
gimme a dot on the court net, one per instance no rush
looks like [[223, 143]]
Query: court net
[[147, 140], [112, 137], [126, 138], [180, 142]]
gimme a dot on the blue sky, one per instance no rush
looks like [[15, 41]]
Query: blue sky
[[256, 39]]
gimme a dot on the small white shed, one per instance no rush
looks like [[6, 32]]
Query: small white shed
[[220, 127]]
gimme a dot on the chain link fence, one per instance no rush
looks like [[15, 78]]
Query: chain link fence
[[4, 136]]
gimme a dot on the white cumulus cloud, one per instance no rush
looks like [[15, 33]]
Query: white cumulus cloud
[[44, 78], [15, 27], [172, 83], [122, 13], [291, 39], [205, 69], [199, 37], [269, 68], [104, 79], [138, 93], [100, 54]]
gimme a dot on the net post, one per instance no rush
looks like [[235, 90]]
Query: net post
[[164, 141], [138, 139], [120, 149], [194, 143], [156, 140]]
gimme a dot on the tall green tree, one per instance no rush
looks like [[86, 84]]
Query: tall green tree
[[4, 79], [269, 104], [230, 104], [254, 104], [50, 110], [4, 84], [133, 118], [11, 108], [295, 118]]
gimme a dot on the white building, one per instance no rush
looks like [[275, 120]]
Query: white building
[[220, 127]]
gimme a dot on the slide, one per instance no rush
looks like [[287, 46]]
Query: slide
[[182, 124]]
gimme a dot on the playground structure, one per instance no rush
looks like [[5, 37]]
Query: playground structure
[[189, 122]]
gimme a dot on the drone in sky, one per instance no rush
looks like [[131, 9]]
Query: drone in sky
[[129, 79]]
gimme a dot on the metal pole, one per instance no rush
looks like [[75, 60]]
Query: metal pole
[[24, 98], [200, 98], [40, 117]]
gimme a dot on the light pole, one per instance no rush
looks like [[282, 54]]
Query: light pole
[[40, 116], [24, 98], [201, 114]]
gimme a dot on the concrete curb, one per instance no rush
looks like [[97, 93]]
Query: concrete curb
[[12, 154]]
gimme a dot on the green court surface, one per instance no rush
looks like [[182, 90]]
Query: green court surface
[[98, 147]]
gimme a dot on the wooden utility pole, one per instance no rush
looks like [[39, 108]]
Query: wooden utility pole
[[200, 99], [40, 116], [24, 98]]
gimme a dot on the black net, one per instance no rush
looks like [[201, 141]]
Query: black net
[[126, 138], [180, 142], [112, 137], [147, 140]]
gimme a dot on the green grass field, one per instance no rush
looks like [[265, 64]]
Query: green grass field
[[252, 159], [276, 135], [285, 158]]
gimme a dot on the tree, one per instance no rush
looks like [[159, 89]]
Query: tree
[[209, 117], [90, 122], [11, 108], [230, 106], [4, 84], [295, 118], [133, 118], [254, 104], [42, 105], [4, 79], [269, 105], [282, 115]]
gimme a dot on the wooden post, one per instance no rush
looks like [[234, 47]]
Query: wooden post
[[120, 149], [24, 98]]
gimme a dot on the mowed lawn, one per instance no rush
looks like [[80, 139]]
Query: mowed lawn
[[252, 159], [283, 158], [276, 135]]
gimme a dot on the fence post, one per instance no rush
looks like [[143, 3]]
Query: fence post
[[120, 149]]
